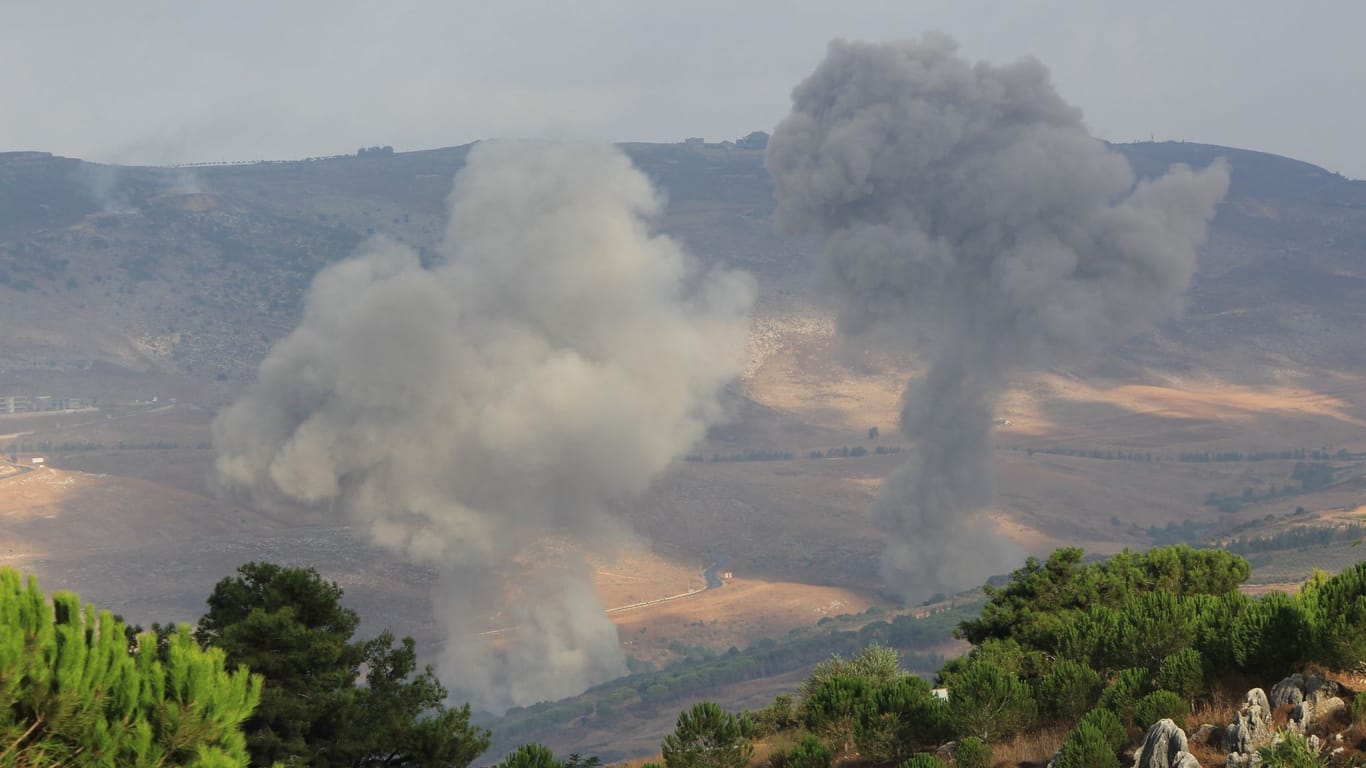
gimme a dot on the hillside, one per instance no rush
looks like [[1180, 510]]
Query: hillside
[[157, 291]]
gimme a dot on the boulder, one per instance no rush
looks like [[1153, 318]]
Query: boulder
[[1312, 697], [1328, 707], [1209, 735], [1185, 760], [1251, 727], [1288, 691], [1165, 747]]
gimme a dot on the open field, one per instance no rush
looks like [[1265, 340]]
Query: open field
[[1080, 461], [793, 529]]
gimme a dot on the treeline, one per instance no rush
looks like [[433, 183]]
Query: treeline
[[1306, 477], [842, 452], [765, 658], [77, 446], [1196, 457], [1096, 453], [1296, 454], [1299, 537], [747, 456], [1105, 649]]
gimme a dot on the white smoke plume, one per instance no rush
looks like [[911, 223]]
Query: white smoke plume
[[965, 207], [554, 362]]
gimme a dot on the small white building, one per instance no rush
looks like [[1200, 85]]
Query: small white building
[[38, 461]]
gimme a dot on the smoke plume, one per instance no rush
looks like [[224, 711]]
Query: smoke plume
[[554, 362], [966, 207]]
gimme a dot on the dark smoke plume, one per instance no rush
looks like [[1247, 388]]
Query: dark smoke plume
[[555, 362], [966, 207]]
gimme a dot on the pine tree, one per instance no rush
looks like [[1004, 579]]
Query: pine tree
[[289, 625], [71, 692], [707, 737]]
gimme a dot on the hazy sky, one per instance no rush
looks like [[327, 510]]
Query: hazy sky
[[163, 82]]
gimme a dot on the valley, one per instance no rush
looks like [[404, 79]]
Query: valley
[[156, 292]]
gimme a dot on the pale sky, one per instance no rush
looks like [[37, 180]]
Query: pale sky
[[136, 81]]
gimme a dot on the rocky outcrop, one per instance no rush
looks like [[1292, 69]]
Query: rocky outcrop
[[1251, 727], [1209, 735], [1165, 747], [1313, 699]]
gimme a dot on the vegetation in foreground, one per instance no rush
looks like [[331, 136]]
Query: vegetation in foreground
[[1070, 662]]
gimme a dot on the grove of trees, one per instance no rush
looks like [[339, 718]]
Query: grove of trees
[[1104, 649], [274, 675]]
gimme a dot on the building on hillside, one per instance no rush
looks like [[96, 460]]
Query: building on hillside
[[40, 403], [15, 404]]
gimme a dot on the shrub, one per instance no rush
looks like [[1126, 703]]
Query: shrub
[[778, 716], [923, 760], [972, 752], [707, 737], [1108, 724], [1291, 751], [988, 703], [1068, 690], [1159, 705], [810, 752], [1338, 606], [833, 707], [875, 664], [1272, 636], [1124, 692], [1086, 747], [1359, 709], [1183, 673], [901, 717], [530, 756]]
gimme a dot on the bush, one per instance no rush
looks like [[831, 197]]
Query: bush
[[1068, 690], [530, 756], [1359, 709], [1292, 751], [1272, 637], [1159, 705], [990, 704], [1183, 673], [923, 760], [778, 716], [707, 737], [1108, 724], [1124, 692], [875, 664], [972, 752], [1086, 747], [833, 707], [901, 717], [1338, 606], [810, 752]]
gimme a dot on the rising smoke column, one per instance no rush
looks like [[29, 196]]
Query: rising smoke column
[[965, 207], [556, 360]]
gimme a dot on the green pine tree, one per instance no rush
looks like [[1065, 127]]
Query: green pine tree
[[72, 693]]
